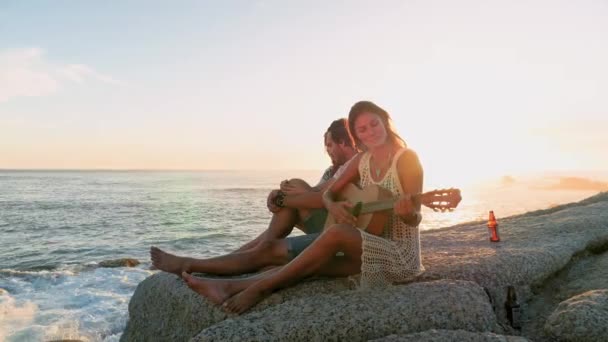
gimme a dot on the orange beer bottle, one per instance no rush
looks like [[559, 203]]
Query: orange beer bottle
[[493, 227]]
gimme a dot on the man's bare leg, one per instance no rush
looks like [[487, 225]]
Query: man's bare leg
[[283, 221], [269, 250], [281, 224], [266, 253]]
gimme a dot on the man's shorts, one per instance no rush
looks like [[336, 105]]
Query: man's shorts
[[315, 222], [313, 226], [297, 244]]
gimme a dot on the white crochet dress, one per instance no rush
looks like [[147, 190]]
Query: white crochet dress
[[395, 256]]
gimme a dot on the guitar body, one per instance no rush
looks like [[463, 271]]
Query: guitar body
[[374, 221]]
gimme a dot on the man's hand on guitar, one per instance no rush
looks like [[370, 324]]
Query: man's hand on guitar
[[341, 212]]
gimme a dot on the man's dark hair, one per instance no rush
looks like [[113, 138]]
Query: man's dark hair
[[339, 132]]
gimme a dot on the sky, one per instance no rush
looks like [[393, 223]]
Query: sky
[[477, 88]]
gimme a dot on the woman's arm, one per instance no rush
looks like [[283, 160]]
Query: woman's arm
[[307, 200], [411, 178], [339, 209], [350, 175], [312, 197]]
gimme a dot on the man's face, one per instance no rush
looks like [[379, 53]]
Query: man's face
[[335, 151]]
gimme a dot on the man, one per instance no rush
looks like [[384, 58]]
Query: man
[[295, 204], [301, 205]]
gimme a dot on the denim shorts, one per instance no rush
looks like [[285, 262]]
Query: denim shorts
[[313, 226], [297, 244], [315, 222]]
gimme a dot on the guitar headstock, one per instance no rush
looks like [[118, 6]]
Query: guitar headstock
[[442, 199]]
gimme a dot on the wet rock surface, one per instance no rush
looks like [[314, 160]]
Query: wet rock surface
[[124, 262]]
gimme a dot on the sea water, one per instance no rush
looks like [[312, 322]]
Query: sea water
[[57, 226]]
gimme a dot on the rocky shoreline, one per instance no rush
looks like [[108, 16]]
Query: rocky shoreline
[[461, 295]]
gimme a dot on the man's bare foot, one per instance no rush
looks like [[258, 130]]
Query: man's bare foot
[[168, 262], [244, 300], [216, 290]]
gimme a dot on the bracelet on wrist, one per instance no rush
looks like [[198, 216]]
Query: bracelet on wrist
[[279, 200], [411, 219]]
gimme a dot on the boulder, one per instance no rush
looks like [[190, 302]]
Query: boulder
[[580, 318], [124, 262], [163, 308], [460, 264]]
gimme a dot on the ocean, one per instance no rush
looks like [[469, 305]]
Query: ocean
[[57, 226]]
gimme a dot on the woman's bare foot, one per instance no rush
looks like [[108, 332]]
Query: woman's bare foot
[[216, 290], [168, 262], [244, 300]]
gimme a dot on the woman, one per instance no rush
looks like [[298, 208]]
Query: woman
[[382, 256]]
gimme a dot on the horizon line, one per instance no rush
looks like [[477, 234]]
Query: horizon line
[[151, 170]]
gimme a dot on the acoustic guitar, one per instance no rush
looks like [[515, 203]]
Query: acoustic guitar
[[372, 204]]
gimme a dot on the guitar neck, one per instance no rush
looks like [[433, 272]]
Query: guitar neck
[[386, 204]]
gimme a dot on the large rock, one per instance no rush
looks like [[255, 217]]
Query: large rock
[[163, 308], [363, 315], [451, 336], [532, 248], [581, 318]]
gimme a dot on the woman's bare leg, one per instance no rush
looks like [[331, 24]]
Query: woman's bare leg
[[217, 290], [338, 238]]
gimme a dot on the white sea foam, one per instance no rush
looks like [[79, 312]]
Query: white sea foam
[[14, 316], [39, 274], [87, 306]]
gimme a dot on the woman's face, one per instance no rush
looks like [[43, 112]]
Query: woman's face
[[370, 129]]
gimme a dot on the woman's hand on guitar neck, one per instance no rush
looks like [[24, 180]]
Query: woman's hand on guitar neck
[[341, 212], [407, 210]]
